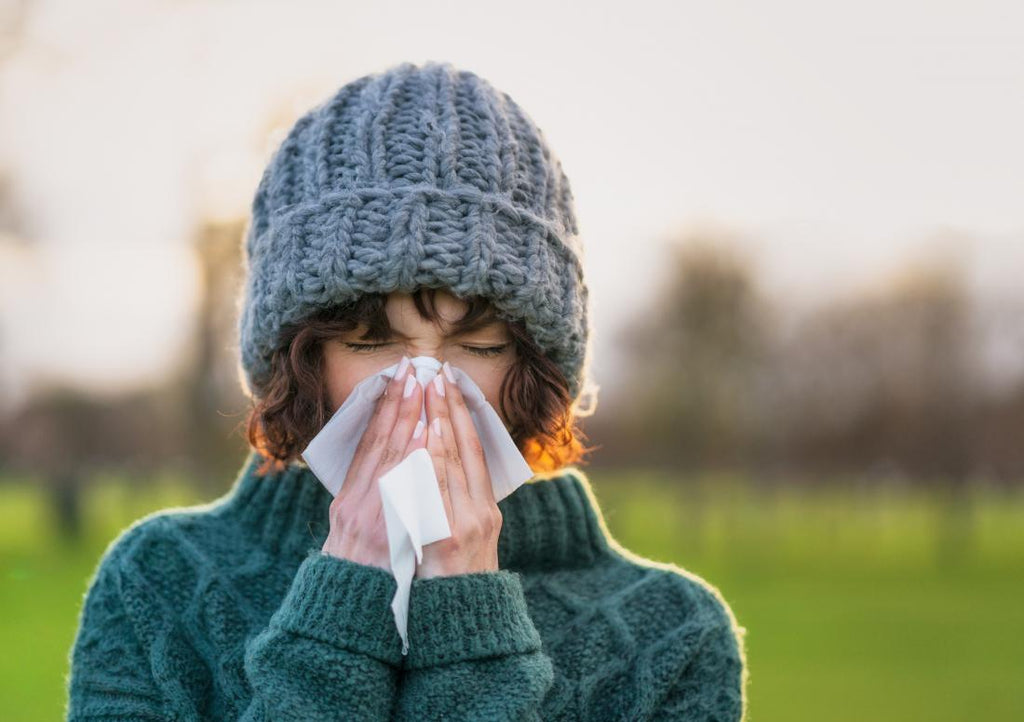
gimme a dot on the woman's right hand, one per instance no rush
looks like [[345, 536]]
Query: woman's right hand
[[357, 518]]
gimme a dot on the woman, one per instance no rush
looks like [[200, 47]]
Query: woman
[[418, 211]]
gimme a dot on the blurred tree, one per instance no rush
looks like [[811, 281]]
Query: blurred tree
[[890, 380], [65, 436], [697, 351], [885, 377], [208, 384]]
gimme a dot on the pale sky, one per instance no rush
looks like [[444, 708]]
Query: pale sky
[[833, 141]]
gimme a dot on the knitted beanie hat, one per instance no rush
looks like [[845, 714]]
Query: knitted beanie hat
[[415, 176]]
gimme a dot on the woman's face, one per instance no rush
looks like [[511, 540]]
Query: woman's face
[[348, 360]]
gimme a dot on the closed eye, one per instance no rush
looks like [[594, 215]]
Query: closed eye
[[484, 351]]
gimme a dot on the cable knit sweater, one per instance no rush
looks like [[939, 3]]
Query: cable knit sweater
[[230, 611]]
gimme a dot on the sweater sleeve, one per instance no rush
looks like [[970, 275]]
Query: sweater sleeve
[[474, 652], [331, 650]]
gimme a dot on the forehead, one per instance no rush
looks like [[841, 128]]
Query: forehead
[[402, 314]]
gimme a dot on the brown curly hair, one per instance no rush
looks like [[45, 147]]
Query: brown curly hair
[[293, 405]]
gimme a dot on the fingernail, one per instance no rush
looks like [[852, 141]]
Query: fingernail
[[435, 425], [439, 384], [448, 372], [409, 383], [402, 366], [418, 431]]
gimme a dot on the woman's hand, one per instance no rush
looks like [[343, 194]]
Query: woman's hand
[[357, 518], [465, 484]]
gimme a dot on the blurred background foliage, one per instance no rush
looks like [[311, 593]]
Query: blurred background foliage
[[847, 470], [849, 477]]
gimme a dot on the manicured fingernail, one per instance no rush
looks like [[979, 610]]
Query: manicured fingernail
[[435, 425], [409, 383], [402, 366], [439, 384], [418, 431], [448, 372]]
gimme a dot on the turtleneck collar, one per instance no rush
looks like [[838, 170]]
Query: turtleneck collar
[[550, 522]]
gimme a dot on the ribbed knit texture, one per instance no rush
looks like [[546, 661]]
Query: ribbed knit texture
[[419, 175], [230, 611]]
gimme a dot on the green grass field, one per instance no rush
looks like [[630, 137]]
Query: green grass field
[[858, 605]]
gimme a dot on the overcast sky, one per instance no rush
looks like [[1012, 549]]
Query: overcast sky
[[834, 141]]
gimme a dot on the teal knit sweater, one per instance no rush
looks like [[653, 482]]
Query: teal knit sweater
[[230, 611]]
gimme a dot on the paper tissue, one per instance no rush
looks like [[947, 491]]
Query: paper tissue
[[414, 512]]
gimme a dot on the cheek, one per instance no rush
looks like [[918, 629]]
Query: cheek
[[343, 373], [488, 376]]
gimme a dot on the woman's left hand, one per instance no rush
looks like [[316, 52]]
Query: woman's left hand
[[465, 484]]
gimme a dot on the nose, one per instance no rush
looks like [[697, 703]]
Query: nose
[[426, 361], [414, 351]]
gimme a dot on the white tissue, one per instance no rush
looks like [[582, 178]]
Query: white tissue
[[414, 513]]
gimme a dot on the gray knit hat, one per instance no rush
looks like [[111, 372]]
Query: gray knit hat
[[415, 176]]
